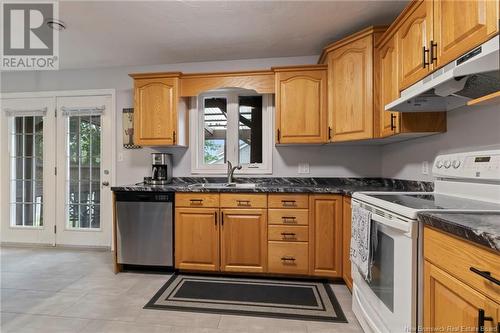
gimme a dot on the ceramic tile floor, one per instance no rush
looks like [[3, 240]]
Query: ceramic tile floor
[[61, 290]]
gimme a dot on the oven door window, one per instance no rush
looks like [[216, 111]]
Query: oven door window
[[382, 282]]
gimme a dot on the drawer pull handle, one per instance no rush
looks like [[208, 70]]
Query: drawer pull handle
[[289, 219], [287, 258], [288, 203], [196, 201], [245, 203], [288, 235], [486, 275]]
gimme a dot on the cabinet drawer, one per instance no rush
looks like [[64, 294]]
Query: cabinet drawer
[[243, 200], [288, 201], [288, 233], [288, 216], [288, 257], [197, 200], [440, 247]]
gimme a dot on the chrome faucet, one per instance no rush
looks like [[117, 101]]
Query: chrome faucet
[[230, 171]]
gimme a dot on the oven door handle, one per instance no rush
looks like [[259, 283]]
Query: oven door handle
[[394, 224]]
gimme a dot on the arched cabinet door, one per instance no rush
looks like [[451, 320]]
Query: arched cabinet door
[[413, 40], [155, 113], [301, 105], [351, 90], [388, 82]]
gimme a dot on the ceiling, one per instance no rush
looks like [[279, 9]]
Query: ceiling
[[125, 33]]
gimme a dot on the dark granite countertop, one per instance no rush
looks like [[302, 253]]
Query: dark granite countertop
[[286, 185], [480, 228]]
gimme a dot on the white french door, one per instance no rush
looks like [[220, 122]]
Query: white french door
[[59, 170]]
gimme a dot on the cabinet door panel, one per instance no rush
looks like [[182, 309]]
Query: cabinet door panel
[[389, 121], [459, 26], [351, 90], [450, 304], [196, 239], [243, 240], [346, 242], [326, 235], [155, 114], [414, 34], [301, 106]]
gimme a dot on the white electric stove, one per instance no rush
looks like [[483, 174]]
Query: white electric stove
[[392, 300]]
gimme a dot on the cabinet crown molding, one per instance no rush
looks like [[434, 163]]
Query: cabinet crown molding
[[155, 75]]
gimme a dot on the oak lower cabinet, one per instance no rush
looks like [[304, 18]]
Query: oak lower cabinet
[[301, 104], [197, 239], [325, 228], [346, 241], [243, 240], [160, 116], [455, 297]]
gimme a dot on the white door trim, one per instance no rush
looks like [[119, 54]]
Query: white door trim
[[4, 169]]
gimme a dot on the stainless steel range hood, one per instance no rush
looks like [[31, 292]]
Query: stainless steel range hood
[[473, 75]]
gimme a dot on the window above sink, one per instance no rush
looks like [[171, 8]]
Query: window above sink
[[234, 125]]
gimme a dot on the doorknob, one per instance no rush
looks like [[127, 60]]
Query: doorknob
[[105, 183]]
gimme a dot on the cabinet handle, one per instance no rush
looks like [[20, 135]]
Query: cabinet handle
[[245, 203], [486, 275], [288, 203], [433, 51], [222, 218], [288, 235], [289, 219], [481, 318], [215, 214], [424, 52], [393, 118], [174, 136], [329, 133], [196, 201], [278, 135], [287, 258]]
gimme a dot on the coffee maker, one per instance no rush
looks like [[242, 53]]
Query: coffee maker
[[161, 169]]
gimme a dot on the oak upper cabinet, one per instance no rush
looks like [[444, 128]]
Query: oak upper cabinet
[[243, 240], [413, 37], [351, 86], [388, 85], [449, 303], [346, 242], [158, 111], [459, 26], [325, 235], [197, 239], [388, 123], [301, 104]]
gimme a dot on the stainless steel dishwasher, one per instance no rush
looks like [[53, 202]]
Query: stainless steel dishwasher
[[145, 228]]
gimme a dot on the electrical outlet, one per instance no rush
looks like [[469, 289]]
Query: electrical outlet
[[303, 168], [425, 168]]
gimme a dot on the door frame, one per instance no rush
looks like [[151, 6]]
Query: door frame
[[4, 159]]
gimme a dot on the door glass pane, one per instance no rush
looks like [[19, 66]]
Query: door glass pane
[[27, 171], [84, 172], [215, 128], [382, 282], [250, 129]]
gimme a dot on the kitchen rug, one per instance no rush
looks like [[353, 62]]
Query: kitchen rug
[[277, 298]]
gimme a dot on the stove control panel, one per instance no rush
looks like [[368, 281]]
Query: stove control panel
[[472, 165]]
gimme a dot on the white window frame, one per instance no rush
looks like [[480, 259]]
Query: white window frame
[[198, 134]]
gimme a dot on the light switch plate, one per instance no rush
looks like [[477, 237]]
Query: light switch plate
[[303, 168]]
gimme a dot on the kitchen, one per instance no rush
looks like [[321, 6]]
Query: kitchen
[[219, 191]]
